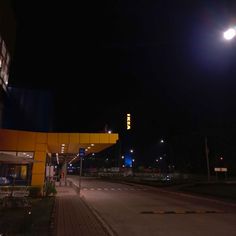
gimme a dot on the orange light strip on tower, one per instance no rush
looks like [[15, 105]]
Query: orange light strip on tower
[[128, 121]]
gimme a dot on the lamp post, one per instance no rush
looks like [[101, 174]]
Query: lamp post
[[132, 159], [163, 159], [207, 159]]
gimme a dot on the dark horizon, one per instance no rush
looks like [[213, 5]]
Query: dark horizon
[[164, 62]]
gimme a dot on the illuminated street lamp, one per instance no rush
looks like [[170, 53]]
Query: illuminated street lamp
[[229, 34]]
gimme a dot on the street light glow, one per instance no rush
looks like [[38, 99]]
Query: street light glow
[[229, 34]]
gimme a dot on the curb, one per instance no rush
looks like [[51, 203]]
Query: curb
[[104, 224]]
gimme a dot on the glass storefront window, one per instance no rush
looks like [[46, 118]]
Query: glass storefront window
[[15, 168]]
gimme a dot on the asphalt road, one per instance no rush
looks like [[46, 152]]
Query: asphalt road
[[140, 210]]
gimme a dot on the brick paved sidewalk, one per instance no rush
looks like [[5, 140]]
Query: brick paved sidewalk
[[73, 217]]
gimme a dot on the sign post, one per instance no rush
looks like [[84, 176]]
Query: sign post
[[221, 169], [81, 155]]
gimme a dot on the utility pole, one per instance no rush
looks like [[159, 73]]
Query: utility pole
[[207, 159]]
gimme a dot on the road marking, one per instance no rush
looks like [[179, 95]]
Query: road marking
[[182, 212], [114, 189]]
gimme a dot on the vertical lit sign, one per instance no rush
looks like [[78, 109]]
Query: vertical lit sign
[[128, 121]]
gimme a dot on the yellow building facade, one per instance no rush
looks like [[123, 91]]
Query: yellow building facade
[[41, 144]]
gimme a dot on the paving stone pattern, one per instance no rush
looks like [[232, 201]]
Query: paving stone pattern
[[73, 217]]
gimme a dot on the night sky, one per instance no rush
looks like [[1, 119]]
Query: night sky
[[165, 62]]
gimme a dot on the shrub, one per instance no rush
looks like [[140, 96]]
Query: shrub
[[49, 188], [35, 191]]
